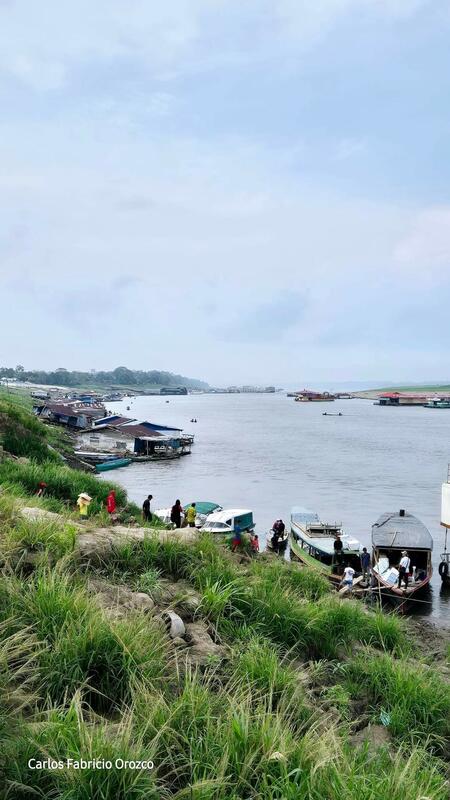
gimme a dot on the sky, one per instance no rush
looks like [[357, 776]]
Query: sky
[[236, 191]]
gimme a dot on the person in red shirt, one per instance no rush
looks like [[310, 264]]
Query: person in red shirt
[[111, 502]]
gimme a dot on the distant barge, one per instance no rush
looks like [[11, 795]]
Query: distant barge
[[307, 396]]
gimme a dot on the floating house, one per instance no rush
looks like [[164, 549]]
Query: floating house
[[74, 415], [401, 399], [144, 440]]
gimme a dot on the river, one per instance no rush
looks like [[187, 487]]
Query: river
[[268, 453]]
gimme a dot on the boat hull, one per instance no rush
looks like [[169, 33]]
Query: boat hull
[[116, 464]]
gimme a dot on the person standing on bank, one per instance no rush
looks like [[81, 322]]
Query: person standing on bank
[[111, 502], [403, 569], [175, 514], [191, 514], [146, 513]]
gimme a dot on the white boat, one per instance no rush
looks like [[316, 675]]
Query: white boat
[[229, 521], [312, 542], [204, 511]]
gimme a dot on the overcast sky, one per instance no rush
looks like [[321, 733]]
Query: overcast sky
[[235, 190]]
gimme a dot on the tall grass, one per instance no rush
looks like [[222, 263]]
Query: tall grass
[[232, 744], [416, 697], [63, 483], [80, 647], [21, 433], [304, 582], [71, 734], [25, 536]]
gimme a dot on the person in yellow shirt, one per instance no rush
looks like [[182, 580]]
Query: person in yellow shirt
[[83, 504], [191, 514]]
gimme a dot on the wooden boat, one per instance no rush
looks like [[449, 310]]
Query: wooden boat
[[93, 455], [393, 533], [312, 543], [113, 464], [444, 565], [282, 543]]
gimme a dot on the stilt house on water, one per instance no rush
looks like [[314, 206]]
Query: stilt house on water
[[72, 414], [143, 440]]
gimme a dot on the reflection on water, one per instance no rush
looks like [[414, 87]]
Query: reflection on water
[[268, 453]]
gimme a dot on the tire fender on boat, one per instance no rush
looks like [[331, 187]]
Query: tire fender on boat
[[443, 569]]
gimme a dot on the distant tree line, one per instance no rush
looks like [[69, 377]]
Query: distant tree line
[[121, 376]]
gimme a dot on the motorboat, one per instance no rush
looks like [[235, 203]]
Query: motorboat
[[312, 542], [204, 509], [229, 520]]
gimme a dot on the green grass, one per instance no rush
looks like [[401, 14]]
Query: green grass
[[80, 647], [431, 388], [63, 484], [303, 582], [21, 433], [75, 683], [25, 537], [70, 734], [416, 697], [292, 610]]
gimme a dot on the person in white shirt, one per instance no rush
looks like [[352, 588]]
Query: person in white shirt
[[347, 579], [403, 569]]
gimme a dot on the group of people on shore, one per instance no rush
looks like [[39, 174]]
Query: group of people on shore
[[179, 516]]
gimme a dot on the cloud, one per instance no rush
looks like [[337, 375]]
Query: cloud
[[426, 246], [265, 322], [348, 148], [43, 44]]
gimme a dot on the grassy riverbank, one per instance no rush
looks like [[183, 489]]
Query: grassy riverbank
[[287, 703]]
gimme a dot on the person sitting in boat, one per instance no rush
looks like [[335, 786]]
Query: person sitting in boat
[[403, 569], [254, 543], [349, 574], [278, 528], [338, 546]]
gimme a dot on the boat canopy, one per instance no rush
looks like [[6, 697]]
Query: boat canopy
[[401, 532], [204, 507], [303, 516]]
